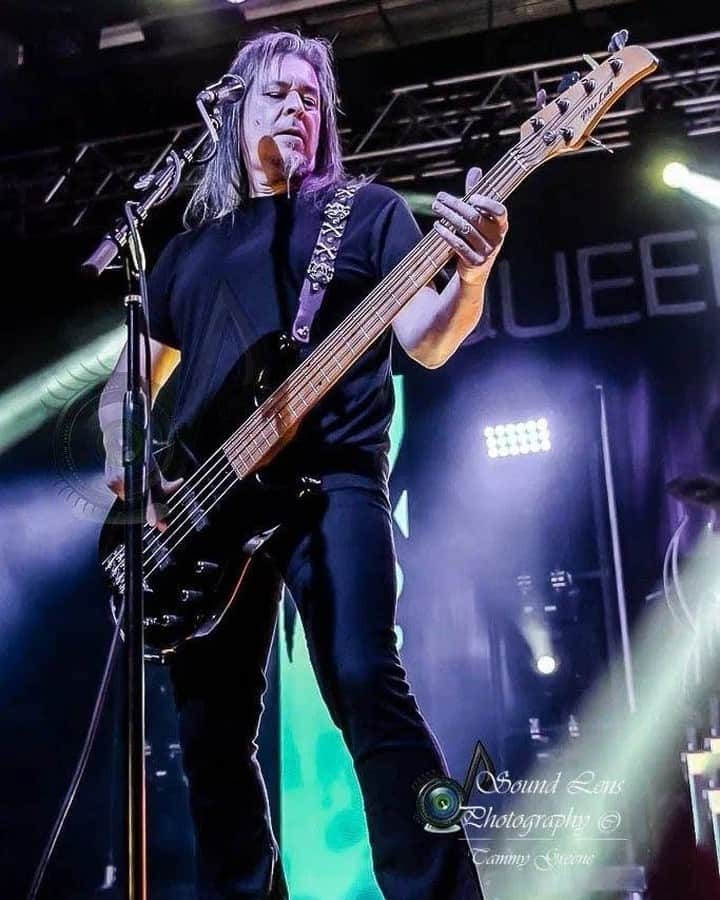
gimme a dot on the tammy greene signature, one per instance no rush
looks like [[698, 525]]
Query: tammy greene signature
[[543, 862], [587, 782]]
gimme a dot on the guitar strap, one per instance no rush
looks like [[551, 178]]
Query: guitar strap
[[321, 267]]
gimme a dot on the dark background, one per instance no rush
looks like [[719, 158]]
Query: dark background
[[474, 526]]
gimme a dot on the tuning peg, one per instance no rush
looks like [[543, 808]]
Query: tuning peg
[[599, 144], [618, 40], [540, 98], [568, 81]]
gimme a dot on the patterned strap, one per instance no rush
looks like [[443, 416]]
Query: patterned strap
[[322, 262]]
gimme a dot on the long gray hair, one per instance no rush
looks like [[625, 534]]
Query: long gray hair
[[223, 184]]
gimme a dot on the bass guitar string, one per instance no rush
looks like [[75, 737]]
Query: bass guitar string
[[221, 453], [328, 347], [220, 480]]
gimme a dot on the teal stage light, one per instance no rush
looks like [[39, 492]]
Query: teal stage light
[[325, 845]]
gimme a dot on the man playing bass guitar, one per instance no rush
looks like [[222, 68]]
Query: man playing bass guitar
[[218, 290]]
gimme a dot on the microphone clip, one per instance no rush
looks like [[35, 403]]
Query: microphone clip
[[229, 89]]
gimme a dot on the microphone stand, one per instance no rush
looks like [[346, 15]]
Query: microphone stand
[[124, 239]]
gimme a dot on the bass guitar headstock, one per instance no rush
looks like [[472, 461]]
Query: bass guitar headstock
[[565, 124]]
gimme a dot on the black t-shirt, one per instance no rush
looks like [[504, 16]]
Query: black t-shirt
[[223, 292]]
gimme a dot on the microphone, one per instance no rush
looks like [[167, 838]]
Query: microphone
[[229, 89]]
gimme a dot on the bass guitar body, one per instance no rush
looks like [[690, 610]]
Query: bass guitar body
[[194, 571]]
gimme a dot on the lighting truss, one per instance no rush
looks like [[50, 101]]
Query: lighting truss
[[429, 130], [418, 133]]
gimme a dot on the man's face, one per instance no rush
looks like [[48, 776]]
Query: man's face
[[281, 122]]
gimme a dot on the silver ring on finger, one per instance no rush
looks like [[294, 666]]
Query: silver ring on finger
[[466, 227]]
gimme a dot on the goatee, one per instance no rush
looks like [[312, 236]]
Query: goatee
[[295, 168]]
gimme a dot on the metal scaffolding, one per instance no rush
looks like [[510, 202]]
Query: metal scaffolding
[[429, 130], [419, 132]]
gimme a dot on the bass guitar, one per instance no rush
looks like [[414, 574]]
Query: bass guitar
[[194, 570]]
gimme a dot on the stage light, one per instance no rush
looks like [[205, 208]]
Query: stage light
[[629, 736], [678, 176], [525, 584], [121, 35], [420, 203], [546, 664], [517, 438], [560, 580], [43, 542], [674, 174], [34, 401]]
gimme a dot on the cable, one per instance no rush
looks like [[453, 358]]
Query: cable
[[671, 561], [82, 762], [679, 593], [667, 591]]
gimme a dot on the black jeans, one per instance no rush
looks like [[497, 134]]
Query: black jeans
[[339, 565]]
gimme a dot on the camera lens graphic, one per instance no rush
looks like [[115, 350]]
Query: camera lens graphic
[[439, 802]]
